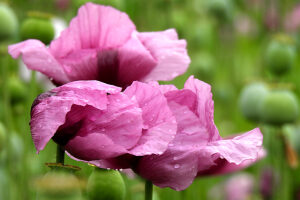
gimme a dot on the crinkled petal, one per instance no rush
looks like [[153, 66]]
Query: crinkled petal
[[169, 52], [122, 121], [159, 123], [135, 61], [114, 130], [49, 110], [205, 105], [175, 168], [231, 154], [95, 27], [37, 57], [190, 133]]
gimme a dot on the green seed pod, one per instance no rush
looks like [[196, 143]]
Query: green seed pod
[[279, 107], [16, 88], [280, 57], [220, 9], [2, 137], [8, 22], [106, 184], [250, 99], [59, 185], [35, 28]]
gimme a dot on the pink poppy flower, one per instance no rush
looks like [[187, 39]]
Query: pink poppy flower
[[101, 43], [95, 121], [197, 148]]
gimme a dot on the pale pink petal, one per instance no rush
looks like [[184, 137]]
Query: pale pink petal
[[163, 88], [135, 61], [190, 133], [232, 154], [175, 168], [170, 54], [205, 105], [37, 57], [95, 27], [159, 123]]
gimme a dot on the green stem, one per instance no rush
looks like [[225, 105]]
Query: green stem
[[60, 154], [148, 190]]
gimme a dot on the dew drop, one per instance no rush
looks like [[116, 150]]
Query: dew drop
[[176, 166]]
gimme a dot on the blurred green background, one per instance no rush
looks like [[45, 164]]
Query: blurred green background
[[233, 44]]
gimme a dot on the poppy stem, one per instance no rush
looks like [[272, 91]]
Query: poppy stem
[[60, 154], [148, 190]]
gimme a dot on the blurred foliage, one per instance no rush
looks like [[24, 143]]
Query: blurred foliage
[[232, 43]]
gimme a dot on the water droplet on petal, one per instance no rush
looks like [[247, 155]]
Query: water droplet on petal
[[176, 166]]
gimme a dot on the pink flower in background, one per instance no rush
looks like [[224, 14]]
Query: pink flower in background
[[101, 43], [95, 121], [292, 20], [239, 187]]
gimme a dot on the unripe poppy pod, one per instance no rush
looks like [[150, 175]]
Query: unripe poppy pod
[[8, 22], [280, 57], [37, 28], [220, 9], [106, 184], [250, 99], [279, 107], [17, 90]]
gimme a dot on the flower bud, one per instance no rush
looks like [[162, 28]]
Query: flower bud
[[280, 57], [37, 28], [105, 184], [250, 99], [8, 22], [279, 107]]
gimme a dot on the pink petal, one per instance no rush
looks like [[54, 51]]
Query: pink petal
[[232, 154], [159, 123], [95, 27], [190, 133], [169, 52], [81, 65], [135, 61], [58, 102], [175, 168], [93, 146], [37, 57], [205, 107], [108, 133]]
